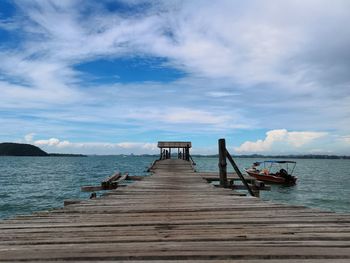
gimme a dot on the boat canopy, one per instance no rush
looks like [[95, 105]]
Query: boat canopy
[[272, 161]]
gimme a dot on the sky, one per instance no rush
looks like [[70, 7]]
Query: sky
[[116, 77]]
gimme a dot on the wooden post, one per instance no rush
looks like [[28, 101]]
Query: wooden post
[[187, 153], [222, 163]]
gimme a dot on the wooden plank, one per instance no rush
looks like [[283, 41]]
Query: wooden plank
[[112, 178], [134, 177], [110, 183], [211, 176], [91, 188]]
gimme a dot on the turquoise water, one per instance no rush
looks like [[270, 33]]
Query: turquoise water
[[29, 184]]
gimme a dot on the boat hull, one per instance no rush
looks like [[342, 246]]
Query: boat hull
[[272, 179]]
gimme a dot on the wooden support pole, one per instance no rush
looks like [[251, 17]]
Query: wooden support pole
[[235, 167], [222, 163]]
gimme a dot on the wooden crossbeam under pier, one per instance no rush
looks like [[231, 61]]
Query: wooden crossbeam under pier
[[176, 215]]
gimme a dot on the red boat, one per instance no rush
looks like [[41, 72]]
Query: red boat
[[279, 172]]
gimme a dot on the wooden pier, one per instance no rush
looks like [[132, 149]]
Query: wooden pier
[[175, 215]]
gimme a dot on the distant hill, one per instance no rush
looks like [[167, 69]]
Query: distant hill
[[20, 149]]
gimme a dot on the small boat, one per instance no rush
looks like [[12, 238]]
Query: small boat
[[279, 172]]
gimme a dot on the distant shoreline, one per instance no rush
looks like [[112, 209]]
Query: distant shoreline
[[66, 155], [301, 156], [21, 149], [256, 156]]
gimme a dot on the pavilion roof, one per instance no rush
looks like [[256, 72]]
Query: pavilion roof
[[174, 144]]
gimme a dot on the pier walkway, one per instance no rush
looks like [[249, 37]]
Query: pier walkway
[[175, 215]]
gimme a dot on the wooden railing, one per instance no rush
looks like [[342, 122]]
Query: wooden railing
[[223, 154]]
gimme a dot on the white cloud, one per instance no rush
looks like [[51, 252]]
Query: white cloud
[[53, 142], [345, 139], [134, 145], [29, 137], [280, 138], [298, 139], [65, 146], [179, 116], [220, 94], [187, 115]]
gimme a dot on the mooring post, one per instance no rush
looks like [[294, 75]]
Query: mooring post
[[222, 163]]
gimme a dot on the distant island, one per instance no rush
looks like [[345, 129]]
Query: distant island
[[22, 149]]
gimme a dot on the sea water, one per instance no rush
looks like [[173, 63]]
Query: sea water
[[321, 184], [29, 184]]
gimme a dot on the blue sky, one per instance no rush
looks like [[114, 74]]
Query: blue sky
[[110, 77]]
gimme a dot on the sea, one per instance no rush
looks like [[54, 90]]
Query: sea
[[30, 184]]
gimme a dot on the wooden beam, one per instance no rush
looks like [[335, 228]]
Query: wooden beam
[[91, 188], [235, 167], [110, 183]]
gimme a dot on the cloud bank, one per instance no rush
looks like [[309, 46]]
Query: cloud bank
[[279, 140], [54, 145]]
